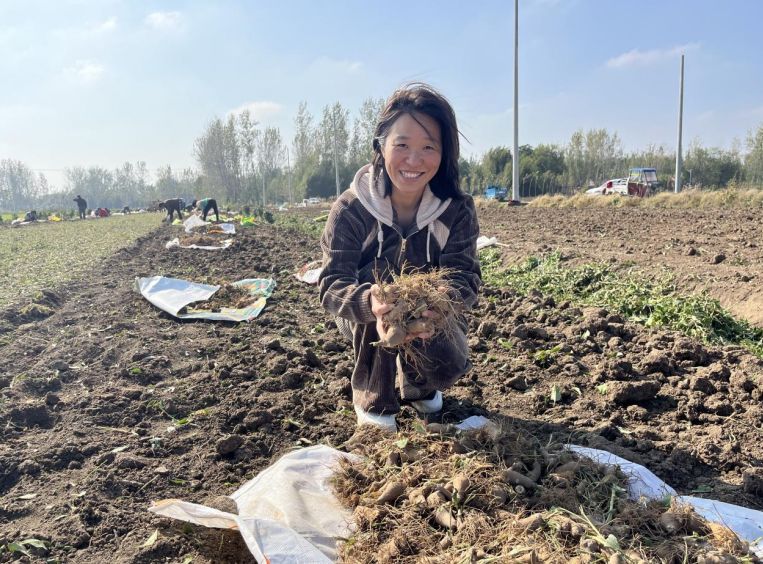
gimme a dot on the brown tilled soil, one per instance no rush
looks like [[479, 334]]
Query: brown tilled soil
[[106, 403], [718, 250]]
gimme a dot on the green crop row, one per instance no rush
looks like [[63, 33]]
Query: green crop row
[[46, 255], [651, 301]]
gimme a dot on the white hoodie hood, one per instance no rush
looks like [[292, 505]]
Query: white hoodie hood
[[380, 206]]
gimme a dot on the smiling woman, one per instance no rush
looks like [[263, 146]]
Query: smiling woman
[[403, 212], [412, 156]]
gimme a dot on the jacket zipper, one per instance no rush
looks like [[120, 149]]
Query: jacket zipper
[[403, 243]]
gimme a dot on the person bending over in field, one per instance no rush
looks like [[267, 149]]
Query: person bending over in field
[[173, 205], [205, 206], [30, 216], [405, 207], [81, 206]]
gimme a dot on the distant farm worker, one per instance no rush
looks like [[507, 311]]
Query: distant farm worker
[[205, 206], [81, 206], [30, 216], [405, 207], [126, 210], [172, 205]]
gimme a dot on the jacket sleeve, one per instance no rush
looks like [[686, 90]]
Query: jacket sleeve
[[341, 293], [460, 254]]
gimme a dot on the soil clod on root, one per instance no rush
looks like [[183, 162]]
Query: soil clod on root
[[498, 495]]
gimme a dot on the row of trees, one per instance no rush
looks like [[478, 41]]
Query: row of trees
[[241, 162], [129, 185], [591, 157]]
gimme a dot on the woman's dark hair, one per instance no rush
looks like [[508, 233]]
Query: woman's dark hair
[[419, 98]]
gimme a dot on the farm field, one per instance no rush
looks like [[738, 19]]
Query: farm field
[[48, 254], [716, 250], [108, 404]]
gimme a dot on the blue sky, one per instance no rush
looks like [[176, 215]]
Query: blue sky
[[104, 82]]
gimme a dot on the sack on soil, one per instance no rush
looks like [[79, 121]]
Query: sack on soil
[[195, 222], [173, 294], [310, 272], [483, 241], [176, 243], [289, 513], [286, 514]]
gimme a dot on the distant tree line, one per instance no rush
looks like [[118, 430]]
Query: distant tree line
[[23, 189], [240, 162]]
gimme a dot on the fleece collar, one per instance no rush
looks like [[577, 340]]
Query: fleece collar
[[380, 206]]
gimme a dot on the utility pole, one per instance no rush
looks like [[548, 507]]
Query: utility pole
[[288, 166], [515, 156], [679, 156], [263, 189], [336, 157]]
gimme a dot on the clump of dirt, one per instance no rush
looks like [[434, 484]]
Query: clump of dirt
[[228, 296], [33, 311], [422, 304], [497, 494], [42, 305]]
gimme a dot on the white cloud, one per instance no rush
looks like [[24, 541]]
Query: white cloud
[[325, 64], [164, 21], [85, 71], [260, 109], [106, 26], [637, 57]]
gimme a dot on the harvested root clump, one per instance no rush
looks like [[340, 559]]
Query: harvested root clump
[[499, 495], [209, 240], [210, 229], [228, 296], [412, 294]]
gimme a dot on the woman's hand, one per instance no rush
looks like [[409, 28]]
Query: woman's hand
[[379, 308]]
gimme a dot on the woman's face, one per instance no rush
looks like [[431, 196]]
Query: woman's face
[[412, 153]]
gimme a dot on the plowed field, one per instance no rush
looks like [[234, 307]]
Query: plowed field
[[108, 403]]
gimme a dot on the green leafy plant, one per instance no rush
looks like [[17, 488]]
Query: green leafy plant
[[650, 300], [545, 357], [556, 393], [22, 547]]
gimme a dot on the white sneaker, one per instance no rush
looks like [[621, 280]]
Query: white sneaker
[[429, 406], [385, 422]]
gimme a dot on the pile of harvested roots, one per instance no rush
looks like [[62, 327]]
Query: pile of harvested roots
[[413, 294], [497, 495]]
